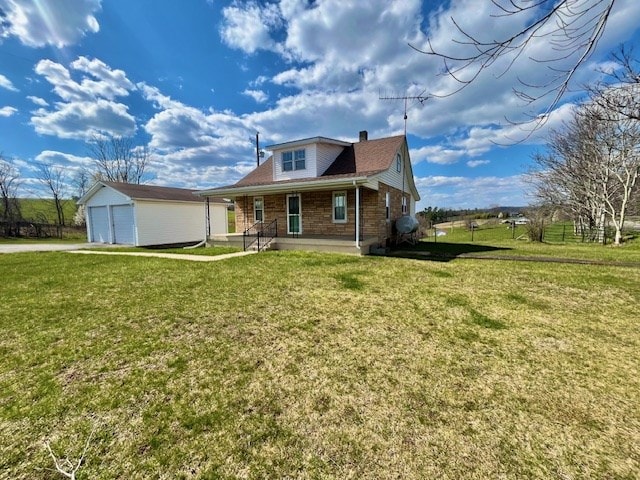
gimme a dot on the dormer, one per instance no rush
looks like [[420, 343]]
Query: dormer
[[306, 158]]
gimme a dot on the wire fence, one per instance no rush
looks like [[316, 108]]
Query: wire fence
[[560, 232], [26, 229]]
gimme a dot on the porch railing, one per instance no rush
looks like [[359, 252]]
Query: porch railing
[[259, 235]]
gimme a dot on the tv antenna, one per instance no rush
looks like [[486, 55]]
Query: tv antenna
[[421, 98]]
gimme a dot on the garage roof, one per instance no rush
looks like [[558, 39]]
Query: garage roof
[[147, 192]]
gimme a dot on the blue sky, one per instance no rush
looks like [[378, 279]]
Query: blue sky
[[195, 79]]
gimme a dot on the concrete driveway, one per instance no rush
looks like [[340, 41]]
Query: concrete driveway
[[44, 247]]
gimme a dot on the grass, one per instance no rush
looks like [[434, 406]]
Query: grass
[[497, 240], [209, 251], [75, 238], [303, 365], [39, 209]]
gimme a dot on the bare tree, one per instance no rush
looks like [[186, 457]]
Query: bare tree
[[568, 175], [591, 168], [9, 208], [571, 28], [618, 94], [117, 159], [81, 181], [622, 168], [53, 178]]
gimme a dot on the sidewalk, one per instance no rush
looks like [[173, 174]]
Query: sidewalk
[[175, 256]]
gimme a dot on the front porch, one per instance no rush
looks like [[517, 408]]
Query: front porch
[[319, 243]]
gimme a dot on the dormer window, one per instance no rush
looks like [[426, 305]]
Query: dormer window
[[398, 163], [293, 160]]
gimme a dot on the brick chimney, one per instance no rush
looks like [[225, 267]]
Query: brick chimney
[[364, 135]]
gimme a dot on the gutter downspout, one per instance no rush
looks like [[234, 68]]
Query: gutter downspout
[[207, 229], [357, 215]]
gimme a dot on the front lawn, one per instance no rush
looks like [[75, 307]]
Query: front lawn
[[303, 365], [208, 251]]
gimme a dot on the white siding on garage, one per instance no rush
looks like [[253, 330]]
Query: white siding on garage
[[98, 223], [123, 224], [169, 222], [107, 196], [218, 219]]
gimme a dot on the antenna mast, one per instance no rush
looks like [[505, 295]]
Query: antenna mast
[[419, 98]]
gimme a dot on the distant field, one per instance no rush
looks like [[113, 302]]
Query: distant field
[[498, 240], [308, 365], [43, 210]]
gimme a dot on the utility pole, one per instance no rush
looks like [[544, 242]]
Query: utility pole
[[258, 148]]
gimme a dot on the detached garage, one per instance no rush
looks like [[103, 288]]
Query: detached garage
[[141, 215]]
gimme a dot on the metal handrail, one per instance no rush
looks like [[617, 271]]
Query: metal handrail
[[268, 233], [258, 231]]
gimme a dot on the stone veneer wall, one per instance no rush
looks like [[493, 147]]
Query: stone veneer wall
[[317, 213]]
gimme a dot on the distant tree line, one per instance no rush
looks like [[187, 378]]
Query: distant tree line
[[433, 215]]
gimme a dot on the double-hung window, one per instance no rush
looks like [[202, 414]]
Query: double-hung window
[[404, 205], [299, 157], [398, 163], [339, 207], [287, 161], [258, 209], [293, 160]]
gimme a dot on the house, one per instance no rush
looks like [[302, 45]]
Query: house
[[130, 214], [321, 193]]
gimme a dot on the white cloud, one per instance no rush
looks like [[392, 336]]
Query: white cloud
[[49, 22], [469, 192], [106, 83], [89, 107], [7, 111], [6, 83], [83, 120], [477, 163], [260, 80], [41, 102], [186, 139], [248, 26], [64, 159], [438, 154], [258, 95], [109, 84]]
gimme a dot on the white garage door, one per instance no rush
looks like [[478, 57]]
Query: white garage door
[[99, 224], [123, 224]]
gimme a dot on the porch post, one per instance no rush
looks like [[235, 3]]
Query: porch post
[[357, 217]]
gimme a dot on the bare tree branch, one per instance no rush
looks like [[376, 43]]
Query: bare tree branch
[[53, 178], [117, 159], [9, 207], [572, 29], [65, 466]]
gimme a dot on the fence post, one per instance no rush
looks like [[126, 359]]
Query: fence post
[[564, 227]]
